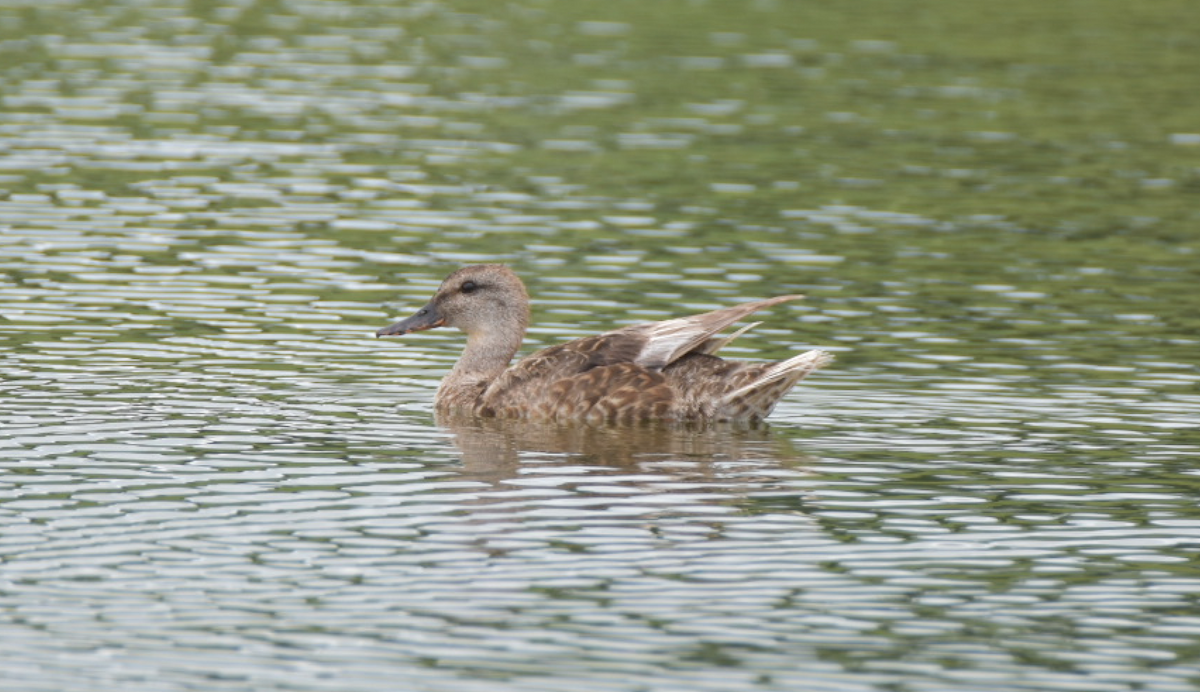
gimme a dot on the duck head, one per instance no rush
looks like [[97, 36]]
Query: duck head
[[482, 299]]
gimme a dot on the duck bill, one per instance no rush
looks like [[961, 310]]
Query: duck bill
[[425, 318]]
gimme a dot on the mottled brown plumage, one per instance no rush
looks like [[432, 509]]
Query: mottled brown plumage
[[658, 370]]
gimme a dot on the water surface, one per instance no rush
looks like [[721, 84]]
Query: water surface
[[212, 477]]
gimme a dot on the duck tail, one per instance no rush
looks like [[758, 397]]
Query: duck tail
[[758, 398]]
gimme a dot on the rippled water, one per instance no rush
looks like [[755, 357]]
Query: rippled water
[[212, 477]]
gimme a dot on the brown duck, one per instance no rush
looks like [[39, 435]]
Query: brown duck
[[659, 370]]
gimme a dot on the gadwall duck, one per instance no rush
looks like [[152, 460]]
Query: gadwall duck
[[659, 370]]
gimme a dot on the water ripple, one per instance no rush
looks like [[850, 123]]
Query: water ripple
[[212, 476]]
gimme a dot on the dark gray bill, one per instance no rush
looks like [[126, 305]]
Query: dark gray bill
[[426, 318]]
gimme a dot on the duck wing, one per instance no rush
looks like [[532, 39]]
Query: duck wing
[[614, 366], [665, 342], [530, 381]]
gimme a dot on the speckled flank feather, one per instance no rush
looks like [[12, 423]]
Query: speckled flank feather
[[659, 370]]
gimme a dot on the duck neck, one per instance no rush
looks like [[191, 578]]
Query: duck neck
[[486, 355]]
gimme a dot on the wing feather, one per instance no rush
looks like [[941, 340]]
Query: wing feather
[[668, 340]]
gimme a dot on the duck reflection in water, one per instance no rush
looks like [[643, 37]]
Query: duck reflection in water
[[495, 450], [665, 370]]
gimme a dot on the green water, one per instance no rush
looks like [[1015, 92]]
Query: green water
[[213, 477]]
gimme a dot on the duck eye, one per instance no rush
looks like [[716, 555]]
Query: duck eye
[[468, 287]]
